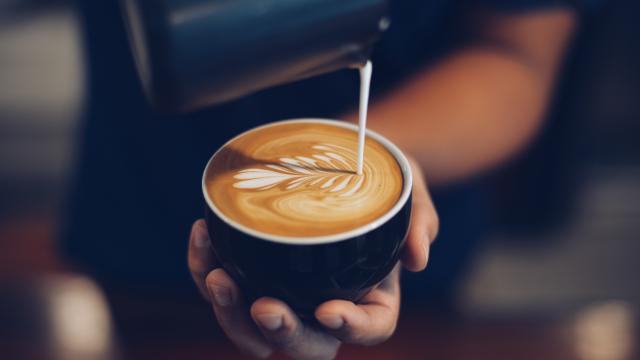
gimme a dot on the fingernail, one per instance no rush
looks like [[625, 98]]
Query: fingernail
[[333, 322], [269, 321], [221, 295], [201, 240]]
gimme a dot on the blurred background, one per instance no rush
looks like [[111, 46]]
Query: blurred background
[[557, 278]]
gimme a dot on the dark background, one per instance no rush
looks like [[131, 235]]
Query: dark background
[[557, 278]]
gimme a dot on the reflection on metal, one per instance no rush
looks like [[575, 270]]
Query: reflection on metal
[[605, 331], [192, 12]]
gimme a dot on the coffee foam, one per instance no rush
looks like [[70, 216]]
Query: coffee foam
[[299, 180]]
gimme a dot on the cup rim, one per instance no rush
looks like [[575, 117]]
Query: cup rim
[[403, 163]]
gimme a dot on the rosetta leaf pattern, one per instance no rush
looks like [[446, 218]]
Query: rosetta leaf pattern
[[329, 168]]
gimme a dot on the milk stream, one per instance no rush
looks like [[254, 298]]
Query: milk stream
[[365, 85]]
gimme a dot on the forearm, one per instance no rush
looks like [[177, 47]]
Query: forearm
[[467, 114], [472, 110]]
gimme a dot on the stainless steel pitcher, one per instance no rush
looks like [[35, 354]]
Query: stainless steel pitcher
[[195, 53]]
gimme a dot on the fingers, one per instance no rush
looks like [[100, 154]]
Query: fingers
[[368, 323], [424, 225], [200, 257], [278, 326], [233, 317], [282, 328]]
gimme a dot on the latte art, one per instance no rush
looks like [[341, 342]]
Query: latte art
[[330, 169], [299, 179]]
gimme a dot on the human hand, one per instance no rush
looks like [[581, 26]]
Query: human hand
[[268, 324]]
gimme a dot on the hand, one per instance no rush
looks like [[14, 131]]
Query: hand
[[268, 324]]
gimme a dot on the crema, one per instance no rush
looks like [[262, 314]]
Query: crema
[[300, 179]]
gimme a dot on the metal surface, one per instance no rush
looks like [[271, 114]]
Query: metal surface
[[194, 53]]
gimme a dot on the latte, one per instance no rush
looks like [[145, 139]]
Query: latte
[[299, 179]]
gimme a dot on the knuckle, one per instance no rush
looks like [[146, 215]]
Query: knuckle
[[213, 277], [217, 275]]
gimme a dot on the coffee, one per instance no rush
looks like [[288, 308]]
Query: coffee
[[298, 179]]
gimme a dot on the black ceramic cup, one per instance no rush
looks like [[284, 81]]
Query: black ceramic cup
[[305, 272]]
